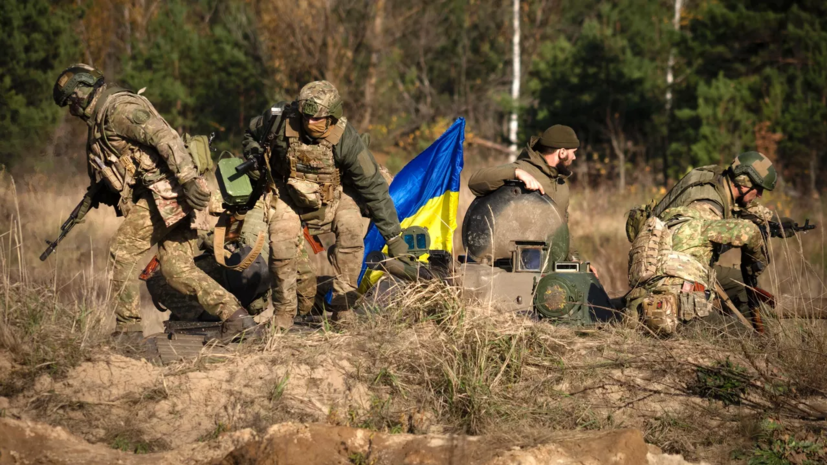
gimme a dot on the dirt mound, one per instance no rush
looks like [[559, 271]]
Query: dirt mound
[[26, 442], [122, 401], [322, 444]]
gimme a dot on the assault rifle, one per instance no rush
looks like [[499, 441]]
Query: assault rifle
[[784, 228], [64, 230], [257, 162]]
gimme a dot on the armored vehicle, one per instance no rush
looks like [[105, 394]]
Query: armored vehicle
[[517, 247]]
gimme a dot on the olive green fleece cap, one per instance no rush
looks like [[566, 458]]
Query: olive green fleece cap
[[559, 137]]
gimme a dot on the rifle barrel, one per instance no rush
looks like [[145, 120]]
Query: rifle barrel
[[246, 166]]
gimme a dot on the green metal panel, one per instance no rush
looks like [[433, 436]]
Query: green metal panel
[[236, 188]]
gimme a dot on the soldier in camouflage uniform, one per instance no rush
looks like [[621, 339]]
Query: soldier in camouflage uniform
[[250, 286], [672, 263], [140, 165], [319, 172]]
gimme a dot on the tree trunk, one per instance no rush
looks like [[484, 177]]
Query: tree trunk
[[127, 26], [814, 174], [513, 124], [375, 41], [615, 132], [670, 79]]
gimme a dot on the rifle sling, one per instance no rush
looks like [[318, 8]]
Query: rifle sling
[[220, 253], [725, 299]]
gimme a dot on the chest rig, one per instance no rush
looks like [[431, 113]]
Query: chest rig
[[313, 180]]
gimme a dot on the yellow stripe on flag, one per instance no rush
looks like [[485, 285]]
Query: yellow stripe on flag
[[439, 216]]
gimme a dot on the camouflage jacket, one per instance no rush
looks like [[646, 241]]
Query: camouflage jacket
[[358, 169], [554, 184], [699, 231], [130, 145]]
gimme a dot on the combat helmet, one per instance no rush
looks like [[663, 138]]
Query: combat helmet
[[320, 99], [757, 167], [73, 76]]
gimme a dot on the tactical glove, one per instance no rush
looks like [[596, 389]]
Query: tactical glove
[[197, 193], [397, 247], [91, 200]]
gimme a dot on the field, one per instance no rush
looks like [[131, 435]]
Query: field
[[434, 362]]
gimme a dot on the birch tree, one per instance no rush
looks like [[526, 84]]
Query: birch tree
[[513, 124]]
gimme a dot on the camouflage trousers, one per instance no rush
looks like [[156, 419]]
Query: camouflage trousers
[[143, 228], [288, 255]]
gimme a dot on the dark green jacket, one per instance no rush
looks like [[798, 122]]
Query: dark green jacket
[[357, 167], [488, 180]]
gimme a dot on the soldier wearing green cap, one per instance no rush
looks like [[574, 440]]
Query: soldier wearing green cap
[[138, 164], [676, 244], [320, 174], [542, 165]]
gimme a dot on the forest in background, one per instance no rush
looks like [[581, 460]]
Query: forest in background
[[744, 74]]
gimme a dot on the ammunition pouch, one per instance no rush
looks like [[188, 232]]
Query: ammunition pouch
[[199, 149], [693, 304], [651, 240], [636, 219], [662, 307], [659, 310], [306, 194]]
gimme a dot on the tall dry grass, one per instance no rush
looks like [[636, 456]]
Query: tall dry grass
[[52, 313]]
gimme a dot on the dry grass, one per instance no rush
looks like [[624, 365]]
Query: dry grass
[[49, 323]]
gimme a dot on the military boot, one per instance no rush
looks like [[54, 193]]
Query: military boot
[[240, 325], [343, 318], [128, 333], [282, 321]]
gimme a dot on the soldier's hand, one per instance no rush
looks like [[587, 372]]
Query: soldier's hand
[[530, 182], [593, 270], [397, 247], [197, 193], [87, 204]]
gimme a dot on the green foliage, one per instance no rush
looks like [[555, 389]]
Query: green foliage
[[726, 123], [724, 381], [776, 445], [37, 43], [277, 391], [125, 443], [220, 428], [754, 77], [607, 82], [203, 76]]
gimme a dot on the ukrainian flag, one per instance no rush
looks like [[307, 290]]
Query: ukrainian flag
[[425, 193]]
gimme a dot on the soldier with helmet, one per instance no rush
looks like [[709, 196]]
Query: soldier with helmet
[[319, 172], [138, 164], [676, 244]]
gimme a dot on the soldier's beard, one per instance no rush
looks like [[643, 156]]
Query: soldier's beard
[[563, 168]]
